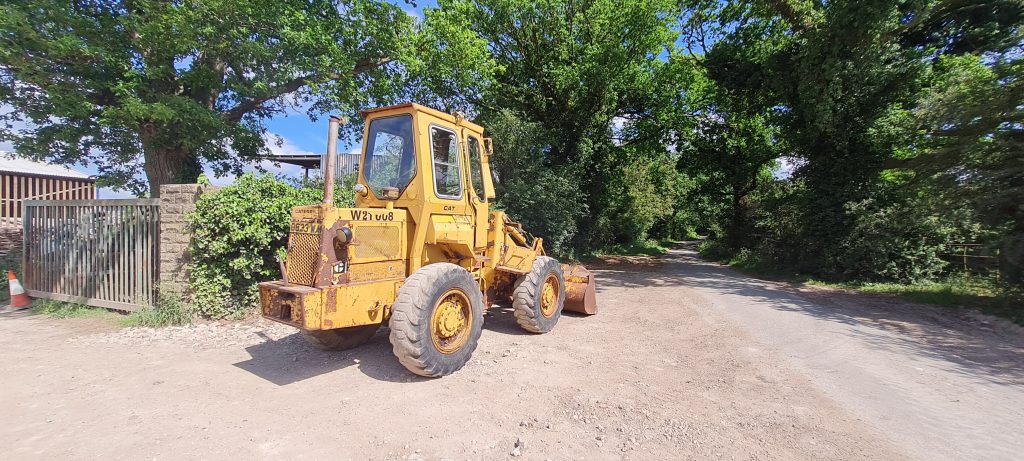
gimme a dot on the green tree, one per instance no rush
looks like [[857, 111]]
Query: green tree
[[164, 88], [546, 200], [733, 153], [974, 150], [569, 66], [844, 80], [729, 133]]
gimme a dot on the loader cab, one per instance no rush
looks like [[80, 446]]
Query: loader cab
[[435, 165]]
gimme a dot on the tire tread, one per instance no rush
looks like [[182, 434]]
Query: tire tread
[[408, 338], [526, 307]]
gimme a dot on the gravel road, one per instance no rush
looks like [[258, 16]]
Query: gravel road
[[686, 360]]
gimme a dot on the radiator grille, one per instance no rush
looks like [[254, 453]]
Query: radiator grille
[[377, 242], [303, 253]]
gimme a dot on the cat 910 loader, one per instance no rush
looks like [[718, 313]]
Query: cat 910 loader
[[421, 250]]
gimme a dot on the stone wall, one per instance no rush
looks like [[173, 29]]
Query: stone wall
[[176, 201], [10, 243]]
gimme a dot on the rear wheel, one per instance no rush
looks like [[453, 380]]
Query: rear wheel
[[340, 339], [436, 320], [539, 295]]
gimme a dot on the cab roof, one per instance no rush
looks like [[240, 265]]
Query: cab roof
[[427, 110]]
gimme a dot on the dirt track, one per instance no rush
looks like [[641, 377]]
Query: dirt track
[[686, 360]]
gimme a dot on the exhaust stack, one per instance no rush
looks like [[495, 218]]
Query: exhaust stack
[[331, 160]]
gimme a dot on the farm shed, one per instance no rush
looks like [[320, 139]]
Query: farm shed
[[22, 179]]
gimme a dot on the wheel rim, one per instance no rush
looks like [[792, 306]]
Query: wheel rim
[[451, 322], [549, 296]]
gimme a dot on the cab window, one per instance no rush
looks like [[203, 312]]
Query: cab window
[[476, 175], [390, 160], [444, 148]]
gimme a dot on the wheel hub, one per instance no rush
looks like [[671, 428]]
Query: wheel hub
[[452, 319], [451, 322], [549, 296]]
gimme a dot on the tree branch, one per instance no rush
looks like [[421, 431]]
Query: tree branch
[[799, 20], [235, 114]]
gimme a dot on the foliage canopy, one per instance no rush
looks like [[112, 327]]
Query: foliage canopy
[[160, 89]]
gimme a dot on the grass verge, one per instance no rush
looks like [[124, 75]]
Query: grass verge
[[645, 248], [62, 310], [981, 293], [955, 291], [169, 310]]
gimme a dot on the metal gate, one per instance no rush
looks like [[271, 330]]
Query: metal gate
[[98, 252]]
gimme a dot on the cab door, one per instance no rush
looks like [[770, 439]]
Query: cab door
[[479, 196]]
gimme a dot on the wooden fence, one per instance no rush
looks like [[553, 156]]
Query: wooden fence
[[971, 258], [98, 252]]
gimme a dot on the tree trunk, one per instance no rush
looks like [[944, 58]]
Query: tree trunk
[[169, 165], [737, 219], [1011, 257]]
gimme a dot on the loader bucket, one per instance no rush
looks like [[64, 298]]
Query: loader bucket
[[580, 289]]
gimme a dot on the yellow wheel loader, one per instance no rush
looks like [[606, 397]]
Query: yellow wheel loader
[[421, 251]]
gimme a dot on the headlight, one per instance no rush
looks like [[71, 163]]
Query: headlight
[[344, 235]]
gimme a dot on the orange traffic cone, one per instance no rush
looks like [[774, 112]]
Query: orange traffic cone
[[19, 300]]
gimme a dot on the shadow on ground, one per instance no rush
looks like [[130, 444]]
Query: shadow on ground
[[291, 359], [972, 345]]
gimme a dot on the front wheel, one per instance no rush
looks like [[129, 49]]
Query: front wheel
[[539, 295], [436, 320]]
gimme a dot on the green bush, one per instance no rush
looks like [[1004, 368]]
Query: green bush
[[745, 258], [237, 232], [547, 204], [642, 248], [8, 262], [642, 197], [713, 250], [546, 199], [899, 243]]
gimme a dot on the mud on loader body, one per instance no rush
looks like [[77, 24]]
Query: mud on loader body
[[421, 250]]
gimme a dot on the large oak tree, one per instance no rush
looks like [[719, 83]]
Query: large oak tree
[[165, 88]]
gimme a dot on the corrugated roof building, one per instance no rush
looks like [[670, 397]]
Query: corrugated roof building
[[22, 179]]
